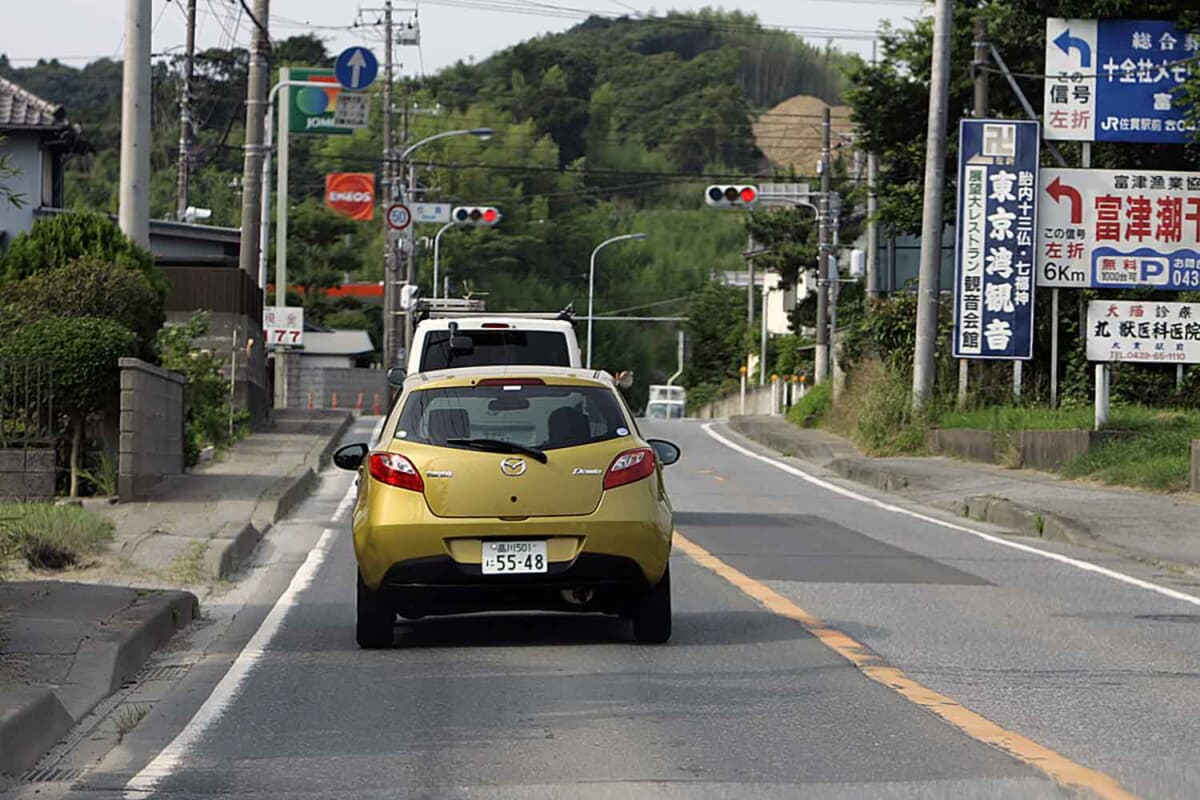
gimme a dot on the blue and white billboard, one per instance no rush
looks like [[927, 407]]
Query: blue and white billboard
[[1117, 80], [995, 239]]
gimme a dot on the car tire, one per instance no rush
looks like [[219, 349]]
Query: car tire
[[376, 621], [652, 613]]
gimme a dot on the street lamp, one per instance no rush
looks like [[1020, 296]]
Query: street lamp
[[592, 283], [437, 242], [389, 332]]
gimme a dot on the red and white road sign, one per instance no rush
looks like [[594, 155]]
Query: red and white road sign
[[1119, 229], [398, 216]]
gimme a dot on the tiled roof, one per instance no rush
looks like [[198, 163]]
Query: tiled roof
[[19, 108]]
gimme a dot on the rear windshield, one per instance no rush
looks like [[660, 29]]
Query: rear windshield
[[545, 417], [496, 347]]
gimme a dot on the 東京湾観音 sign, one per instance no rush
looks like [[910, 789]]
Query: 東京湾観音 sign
[[994, 251], [1118, 80], [1140, 330]]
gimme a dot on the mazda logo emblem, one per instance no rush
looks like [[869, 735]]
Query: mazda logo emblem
[[513, 467]]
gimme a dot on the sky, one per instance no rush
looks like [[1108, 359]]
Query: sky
[[79, 31]]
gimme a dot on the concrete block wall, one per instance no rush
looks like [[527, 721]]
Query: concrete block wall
[[758, 403], [321, 384], [27, 473], [151, 439]]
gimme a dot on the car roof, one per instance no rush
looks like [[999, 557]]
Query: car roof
[[468, 376], [515, 323]]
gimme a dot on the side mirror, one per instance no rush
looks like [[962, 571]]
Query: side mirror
[[462, 345], [396, 376], [666, 452], [624, 379], [350, 456]]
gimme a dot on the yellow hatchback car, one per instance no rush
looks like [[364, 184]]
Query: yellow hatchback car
[[511, 488]]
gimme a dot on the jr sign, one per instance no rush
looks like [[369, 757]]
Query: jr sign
[[997, 209], [1117, 80], [1119, 229]]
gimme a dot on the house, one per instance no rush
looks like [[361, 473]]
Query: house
[[37, 137]]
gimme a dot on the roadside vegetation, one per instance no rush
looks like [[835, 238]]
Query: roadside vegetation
[[44, 536]]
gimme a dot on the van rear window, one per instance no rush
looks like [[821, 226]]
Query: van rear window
[[496, 348]]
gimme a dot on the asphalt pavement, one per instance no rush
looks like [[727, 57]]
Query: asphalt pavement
[[1054, 647]]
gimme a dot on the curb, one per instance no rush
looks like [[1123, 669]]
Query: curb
[[230, 549], [867, 473], [39, 717]]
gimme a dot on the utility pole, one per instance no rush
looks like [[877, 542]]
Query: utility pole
[[256, 109], [981, 110], [185, 115], [872, 226], [410, 248], [134, 213], [931, 214], [822, 354], [389, 248]]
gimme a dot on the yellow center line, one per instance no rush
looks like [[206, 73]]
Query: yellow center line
[[1061, 769]]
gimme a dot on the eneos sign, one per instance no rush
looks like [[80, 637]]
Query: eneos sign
[[351, 194]]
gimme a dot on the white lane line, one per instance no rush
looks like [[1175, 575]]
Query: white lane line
[[1086, 566]]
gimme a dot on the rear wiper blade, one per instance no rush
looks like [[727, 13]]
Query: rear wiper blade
[[500, 446]]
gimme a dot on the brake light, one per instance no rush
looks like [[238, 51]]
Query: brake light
[[511, 382], [395, 470], [629, 467], [504, 325]]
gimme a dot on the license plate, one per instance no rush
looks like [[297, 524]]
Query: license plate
[[514, 558]]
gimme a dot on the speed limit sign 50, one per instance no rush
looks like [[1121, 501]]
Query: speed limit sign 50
[[398, 216]]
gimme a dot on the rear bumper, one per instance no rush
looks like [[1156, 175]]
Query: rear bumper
[[441, 585], [397, 539]]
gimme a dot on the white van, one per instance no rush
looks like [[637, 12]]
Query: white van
[[470, 340]]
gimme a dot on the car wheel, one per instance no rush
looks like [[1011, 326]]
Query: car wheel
[[652, 613], [376, 619]]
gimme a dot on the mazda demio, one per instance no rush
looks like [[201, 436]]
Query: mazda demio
[[511, 488]]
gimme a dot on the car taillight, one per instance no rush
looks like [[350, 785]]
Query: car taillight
[[630, 466], [395, 470]]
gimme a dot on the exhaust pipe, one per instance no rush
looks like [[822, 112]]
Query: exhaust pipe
[[578, 596]]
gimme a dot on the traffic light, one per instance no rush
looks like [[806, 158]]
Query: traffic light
[[732, 196], [478, 216]]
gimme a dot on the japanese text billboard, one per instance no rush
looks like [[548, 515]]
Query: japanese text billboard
[[1117, 80], [1136, 330], [1119, 229], [994, 249]]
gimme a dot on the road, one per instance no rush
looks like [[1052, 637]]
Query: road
[[982, 670]]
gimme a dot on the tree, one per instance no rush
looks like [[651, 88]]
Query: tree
[[86, 287], [717, 335], [82, 354], [57, 240], [320, 253]]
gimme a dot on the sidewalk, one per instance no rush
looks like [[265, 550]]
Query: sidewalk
[[67, 644], [1160, 529]]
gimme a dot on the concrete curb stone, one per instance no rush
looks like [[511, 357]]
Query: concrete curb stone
[[230, 549], [33, 718]]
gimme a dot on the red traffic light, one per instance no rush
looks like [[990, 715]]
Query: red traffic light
[[489, 215], [478, 216], [731, 196]]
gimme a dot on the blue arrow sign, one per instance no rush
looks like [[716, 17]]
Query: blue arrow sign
[[1066, 42], [356, 68]]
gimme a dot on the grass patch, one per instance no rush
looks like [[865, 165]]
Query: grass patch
[[809, 410], [1160, 460], [1005, 419], [51, 537], [188, 568], [875, 411]]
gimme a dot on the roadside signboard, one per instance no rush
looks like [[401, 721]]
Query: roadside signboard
[[997, 210], [351, 194], [1141, 330], [1119, 229], [353, 110], [283, 326], [312, 109], [1117, 80], [398, 216], [432, 212], [356, 68]]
